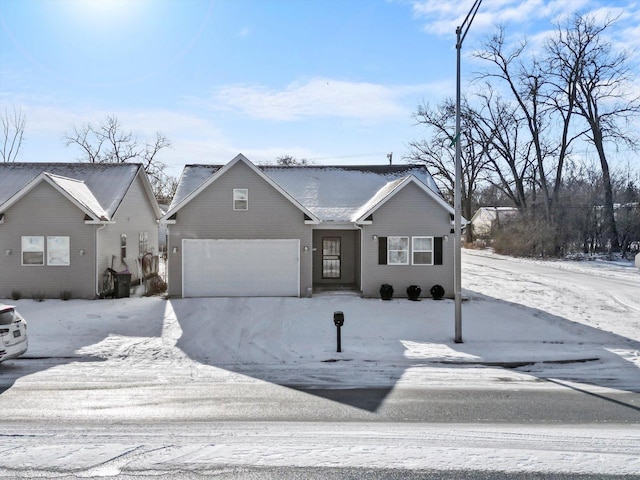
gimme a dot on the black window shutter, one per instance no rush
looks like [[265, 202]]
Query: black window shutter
[[382, 250], [437, 251]]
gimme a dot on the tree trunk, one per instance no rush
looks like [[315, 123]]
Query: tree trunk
[[610, 230]]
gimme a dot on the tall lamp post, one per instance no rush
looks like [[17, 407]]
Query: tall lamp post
[[461, 33]]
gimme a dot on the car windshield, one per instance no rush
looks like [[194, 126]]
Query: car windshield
[[7, 317]]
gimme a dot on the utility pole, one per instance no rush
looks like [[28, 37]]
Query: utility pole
[[461, 33]]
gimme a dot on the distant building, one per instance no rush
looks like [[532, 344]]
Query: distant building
[[486, 219]]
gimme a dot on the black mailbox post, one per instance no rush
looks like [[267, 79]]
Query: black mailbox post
[[338, 320]]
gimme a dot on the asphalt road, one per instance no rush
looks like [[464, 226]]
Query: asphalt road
[[67, 394], [58, 421]]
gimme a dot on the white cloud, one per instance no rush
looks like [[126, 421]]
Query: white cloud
[[442, 18], [317, 97]]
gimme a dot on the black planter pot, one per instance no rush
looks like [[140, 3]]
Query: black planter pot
[[386, 291], [437, 292], [413, 292]]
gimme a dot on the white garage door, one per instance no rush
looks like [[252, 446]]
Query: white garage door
[[240, 268]]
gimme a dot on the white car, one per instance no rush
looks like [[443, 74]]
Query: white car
[[13, 333]]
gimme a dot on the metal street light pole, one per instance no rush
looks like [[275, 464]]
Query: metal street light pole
[[461, 33]]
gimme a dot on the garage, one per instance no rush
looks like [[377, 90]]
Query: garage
[[241, 268]]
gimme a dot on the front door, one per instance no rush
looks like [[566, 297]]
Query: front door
[[331, 262]]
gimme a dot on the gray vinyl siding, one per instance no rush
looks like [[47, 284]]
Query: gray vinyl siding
[[411, 212], [210, 215], [46, 212], [134, 215]]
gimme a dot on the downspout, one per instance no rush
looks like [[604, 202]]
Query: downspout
[[97, 277], [361, 228]]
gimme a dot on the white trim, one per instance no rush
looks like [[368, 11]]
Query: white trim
[[43, 251], [389, 237], [237, 198], [63, 261], [47, 177], [413, 250], [375, 203]]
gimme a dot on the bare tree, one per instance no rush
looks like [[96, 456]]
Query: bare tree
[[539, 107], [13, 126], [108, 143], [290, 161], [509, 167], [438, 153], [582, 58]]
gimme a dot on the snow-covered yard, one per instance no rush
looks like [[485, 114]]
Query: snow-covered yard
[[583, 327]]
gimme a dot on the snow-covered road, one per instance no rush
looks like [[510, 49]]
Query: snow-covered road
[[203, 448]]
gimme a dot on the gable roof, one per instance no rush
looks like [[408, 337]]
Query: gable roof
[[196, 178], [389, 191], [77, 192], [97, 188], [330, 193], [489, 214]]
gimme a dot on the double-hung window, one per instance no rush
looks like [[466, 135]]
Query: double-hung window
[[418, 250], [397, 250], [143, 243], [57, 250], [240, 199], [33, 250], [422, 250]]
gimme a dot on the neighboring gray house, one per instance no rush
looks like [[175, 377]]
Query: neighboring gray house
[[247, 230], [63, 224]]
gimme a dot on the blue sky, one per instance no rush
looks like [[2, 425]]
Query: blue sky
[[333, 81]]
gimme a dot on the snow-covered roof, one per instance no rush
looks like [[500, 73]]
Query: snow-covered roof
[[78, 191], [100, 187], [331, 193], [492, 213], [193, 176]]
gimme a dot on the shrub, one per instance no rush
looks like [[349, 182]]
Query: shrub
[[413, 292], [16, 295], [38, 297], [155, 285], [65, 295], [525, 238], [386, 291]]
